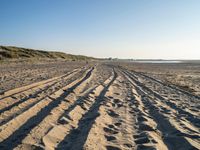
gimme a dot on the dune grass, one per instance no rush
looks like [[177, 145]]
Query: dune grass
[[10, 52]]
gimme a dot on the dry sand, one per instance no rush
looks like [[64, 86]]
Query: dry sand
[[97, 106]]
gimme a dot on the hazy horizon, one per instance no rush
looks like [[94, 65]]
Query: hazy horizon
[[119, 29]]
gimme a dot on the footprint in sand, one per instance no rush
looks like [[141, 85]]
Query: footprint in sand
[[110, 138], [127, 145], [144, 147], [110, 131], [112, 114], [118, 124], [112, 148], [117, 93], [143, 138], [145, 127]]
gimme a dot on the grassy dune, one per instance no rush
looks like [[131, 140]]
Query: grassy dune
[[9, 52]]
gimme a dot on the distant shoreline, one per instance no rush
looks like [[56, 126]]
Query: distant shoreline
[[158, 61]]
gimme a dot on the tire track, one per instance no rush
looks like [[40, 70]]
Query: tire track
[[195, 120], [8, 113], [146, 136], [32, 91], [180, 113], [170, 135], [169, 86], [33, 117], [37, 133], [65, 122], [186, 100], [101, 107], [71, 116], [114, 127], [19, 90], [77, 137]]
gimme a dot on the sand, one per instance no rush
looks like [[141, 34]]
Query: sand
[[101, 105]]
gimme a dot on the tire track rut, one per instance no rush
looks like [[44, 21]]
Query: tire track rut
[[103, 106], [41, 111], [114, 127], [172, 137], [30, 91], [77, 137], [191, 117], [22, 105]]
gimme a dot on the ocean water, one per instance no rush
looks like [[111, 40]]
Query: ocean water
[[157, 61]]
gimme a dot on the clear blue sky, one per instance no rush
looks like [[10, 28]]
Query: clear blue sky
[[168, 29]]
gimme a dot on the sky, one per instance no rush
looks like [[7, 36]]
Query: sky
[[138, 29]]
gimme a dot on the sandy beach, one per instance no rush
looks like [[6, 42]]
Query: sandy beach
[[111, 106]]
